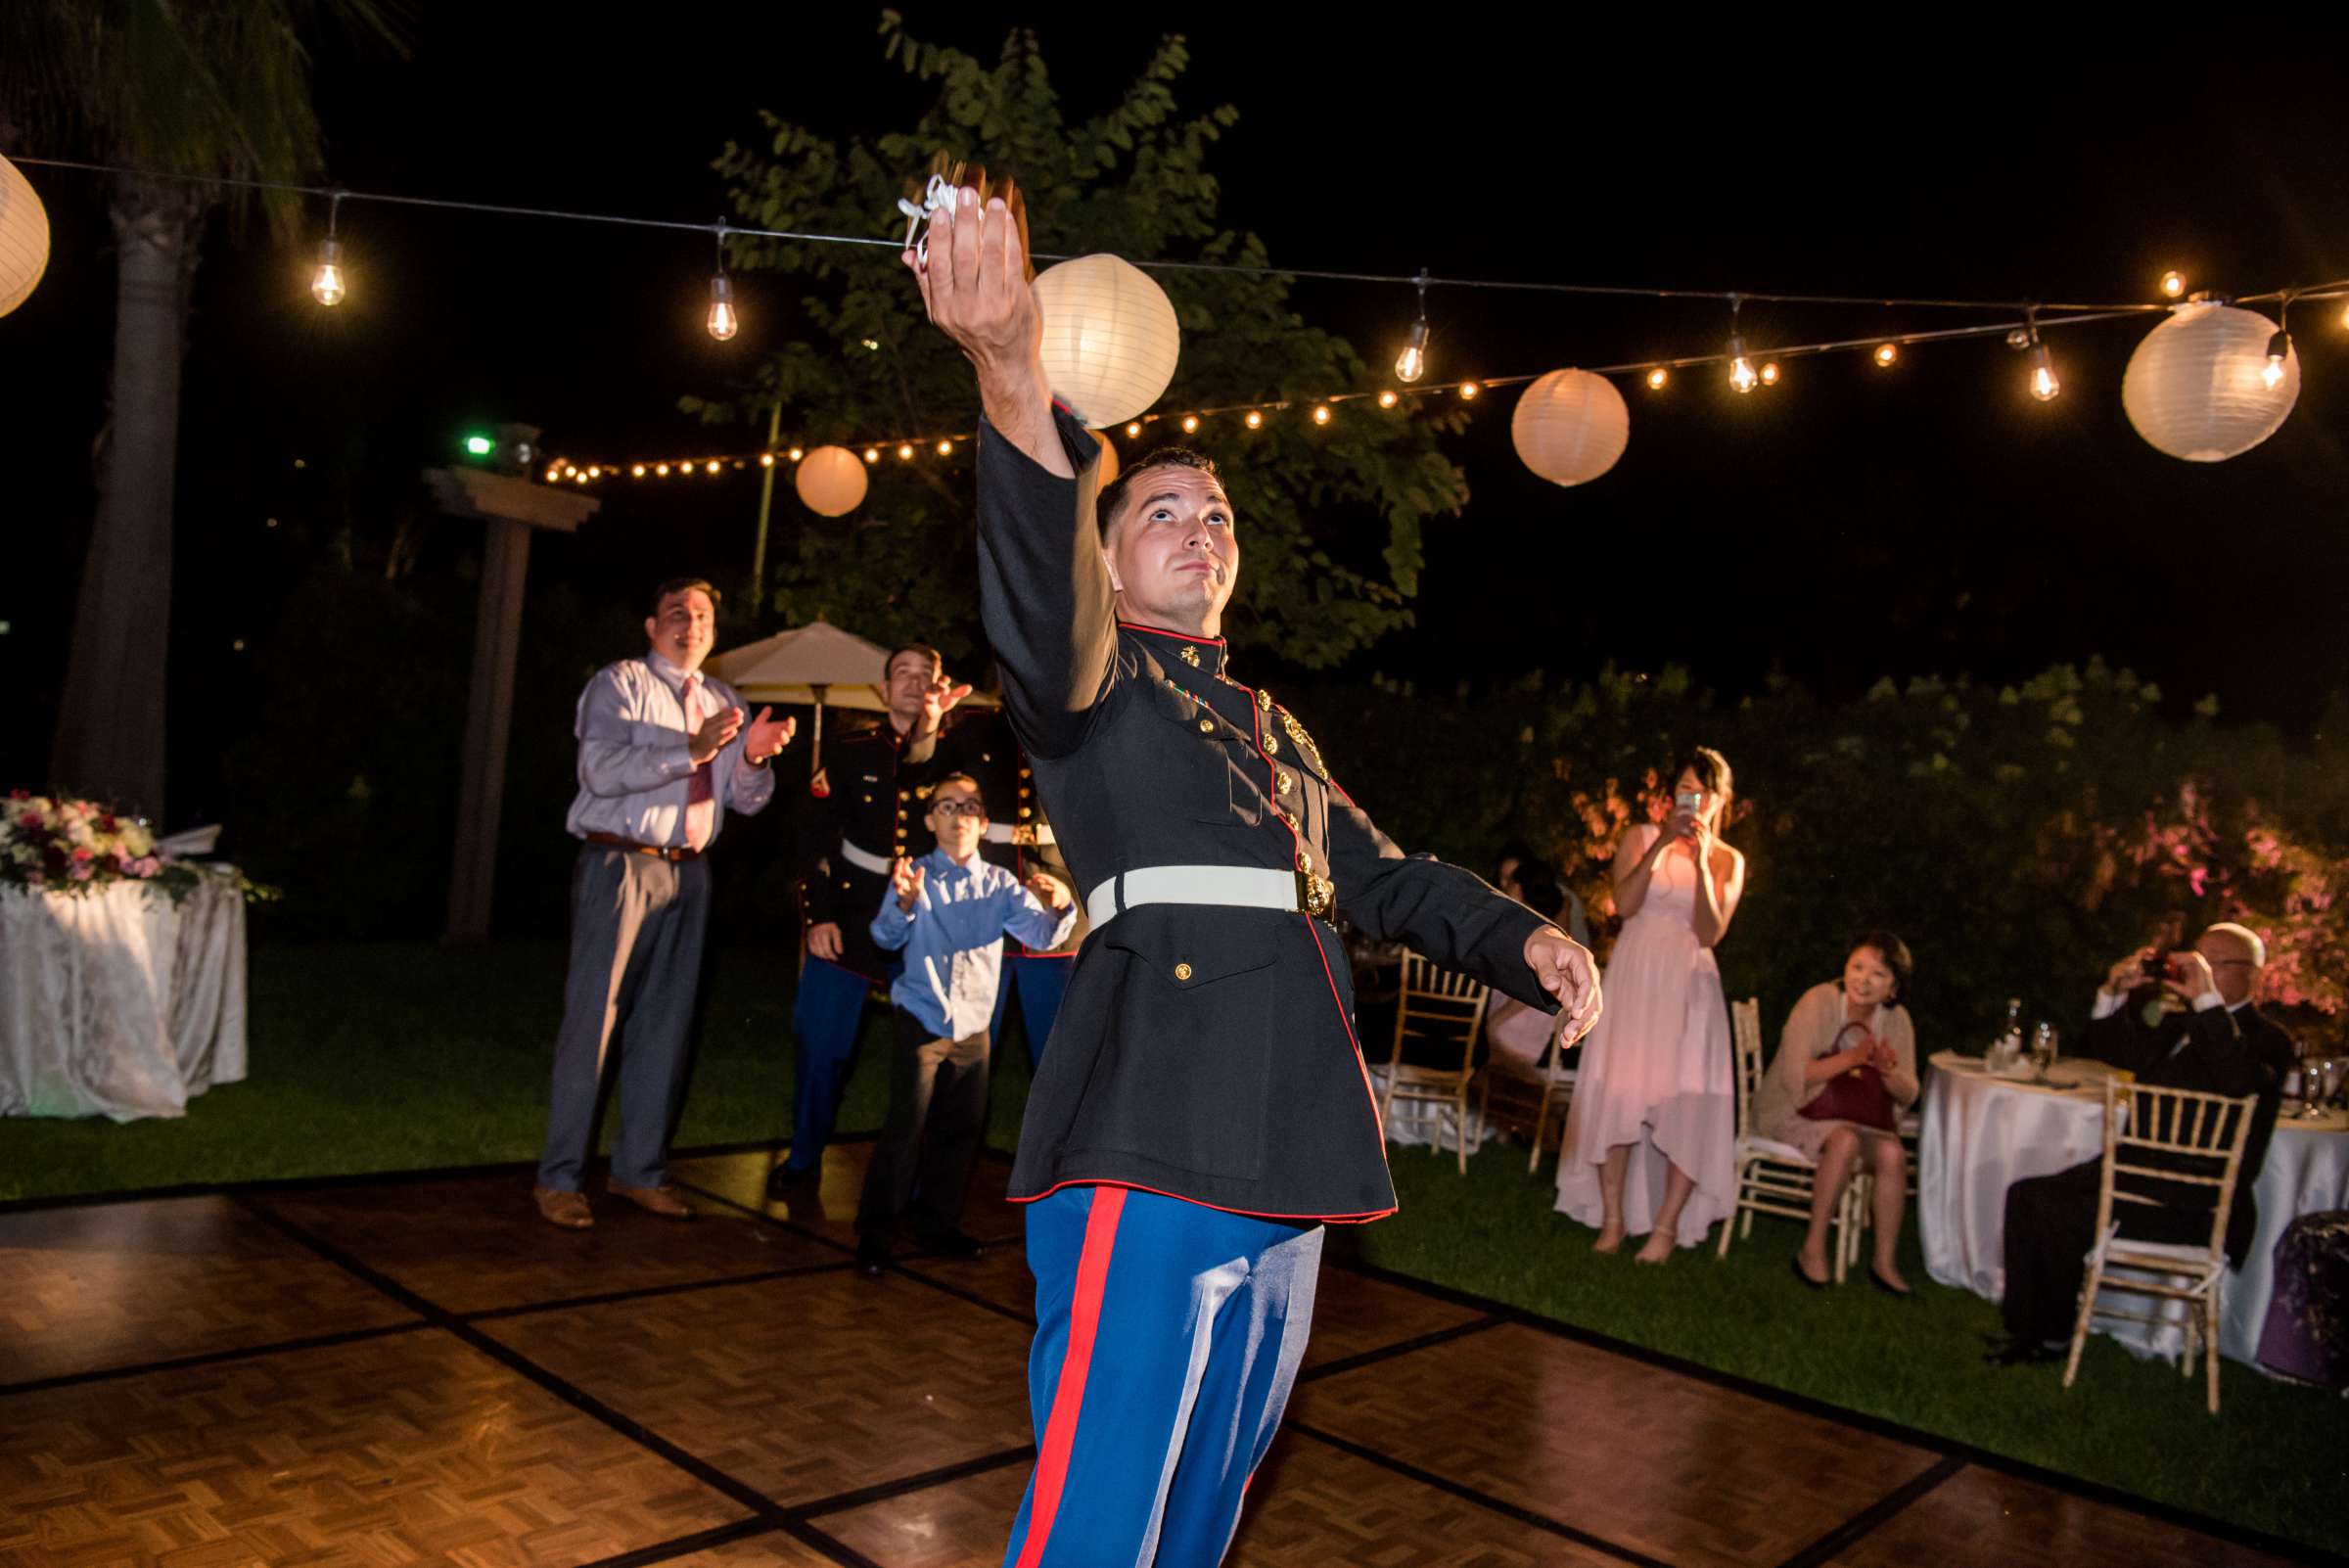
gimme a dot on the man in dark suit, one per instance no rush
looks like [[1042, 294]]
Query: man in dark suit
[[1203, 1108], [2197, 1027]]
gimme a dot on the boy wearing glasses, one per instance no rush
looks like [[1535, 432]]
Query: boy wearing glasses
[[948, 913]]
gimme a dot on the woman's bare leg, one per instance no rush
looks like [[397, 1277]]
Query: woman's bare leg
[[1836, 1158], [1677, 1185], [1611, 1172], [1891, 1167]]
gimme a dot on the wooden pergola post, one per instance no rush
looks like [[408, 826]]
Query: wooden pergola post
[[509, 505]]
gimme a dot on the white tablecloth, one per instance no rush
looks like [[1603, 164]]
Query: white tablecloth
[[120, 1004], [2306, 1172], [1981, 1136]]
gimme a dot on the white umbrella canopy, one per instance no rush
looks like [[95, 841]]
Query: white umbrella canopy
[[816, 665]]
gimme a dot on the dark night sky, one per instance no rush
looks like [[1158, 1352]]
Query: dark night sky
[[1850, 523]]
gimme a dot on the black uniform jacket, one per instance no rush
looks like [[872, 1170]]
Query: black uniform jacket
[[2217, 1052], [875, 782], [1203, 1051]]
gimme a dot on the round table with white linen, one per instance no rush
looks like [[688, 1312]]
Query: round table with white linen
[[1981, 1136], [120, 1002]]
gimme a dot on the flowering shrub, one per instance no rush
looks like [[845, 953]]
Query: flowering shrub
[[2021, 838]]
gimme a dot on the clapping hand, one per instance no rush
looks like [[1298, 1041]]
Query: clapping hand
[[1566, 970], [905, 881], [716, 730], [767, 735]]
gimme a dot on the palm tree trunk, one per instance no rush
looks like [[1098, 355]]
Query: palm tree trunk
[[110, 726]]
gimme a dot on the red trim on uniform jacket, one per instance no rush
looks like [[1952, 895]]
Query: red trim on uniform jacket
[[1166, 631], [1075, 1360], [1363, 1218]]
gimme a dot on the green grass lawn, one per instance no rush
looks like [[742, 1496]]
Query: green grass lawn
[[406, 1056], [400, 1056]]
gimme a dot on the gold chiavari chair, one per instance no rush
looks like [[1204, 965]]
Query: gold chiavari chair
[[1445, 1011], [1774, 1178]]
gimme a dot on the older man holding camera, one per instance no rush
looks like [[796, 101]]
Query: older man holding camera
[[2184, 1019]]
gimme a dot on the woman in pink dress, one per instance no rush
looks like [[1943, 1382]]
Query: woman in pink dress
[[1650, 1140]]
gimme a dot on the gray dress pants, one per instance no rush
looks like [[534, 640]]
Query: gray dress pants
[[637, 925]]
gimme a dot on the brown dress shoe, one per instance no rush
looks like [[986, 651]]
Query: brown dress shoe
[[663, 1201], [565, 1209]]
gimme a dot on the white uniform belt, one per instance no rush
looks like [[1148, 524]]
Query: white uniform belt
[[856, 856], [1244, 887], [1005, 833]]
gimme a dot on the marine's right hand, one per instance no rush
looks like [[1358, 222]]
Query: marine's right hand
[[975, 286], [823, 940]]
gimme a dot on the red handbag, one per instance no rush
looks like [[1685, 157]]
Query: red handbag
[[1857, 1095]]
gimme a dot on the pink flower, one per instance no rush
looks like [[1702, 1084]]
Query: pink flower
[[2198, 879], [82, 873]]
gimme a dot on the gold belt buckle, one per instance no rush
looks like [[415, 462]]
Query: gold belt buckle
[[1316, 894], [1024, 836]]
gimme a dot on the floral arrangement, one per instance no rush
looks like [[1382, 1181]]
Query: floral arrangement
[[55, 845]]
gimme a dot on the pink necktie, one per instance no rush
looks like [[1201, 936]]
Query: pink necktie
[[701, 795]]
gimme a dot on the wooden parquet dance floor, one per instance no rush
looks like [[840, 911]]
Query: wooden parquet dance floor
[[418, 1371]]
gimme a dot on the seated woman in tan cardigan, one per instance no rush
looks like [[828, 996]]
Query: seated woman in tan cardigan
[[1842, 1026]]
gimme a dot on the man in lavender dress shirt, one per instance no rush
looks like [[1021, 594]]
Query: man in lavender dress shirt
[[663, 753]]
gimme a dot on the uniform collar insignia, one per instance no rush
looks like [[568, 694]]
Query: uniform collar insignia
[[1204, 654]]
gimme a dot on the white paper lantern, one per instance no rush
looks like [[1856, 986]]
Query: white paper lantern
[[831, 480], [24, 238], [2193, 387], [1111, 339], [1571, 427], [1109, 460]]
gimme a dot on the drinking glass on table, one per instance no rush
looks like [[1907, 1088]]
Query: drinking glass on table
[[2042, 1050]]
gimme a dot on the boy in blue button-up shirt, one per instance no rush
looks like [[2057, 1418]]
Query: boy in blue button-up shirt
[[948, 912]]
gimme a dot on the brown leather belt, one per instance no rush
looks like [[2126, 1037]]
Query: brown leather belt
[[656, 851]]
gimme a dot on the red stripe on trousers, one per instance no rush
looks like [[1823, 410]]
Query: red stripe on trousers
[[1068, 1394]]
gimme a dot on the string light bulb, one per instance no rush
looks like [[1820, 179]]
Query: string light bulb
[[795, 453], [326, 284], [2280, 345], [1388, 398], [1658, 378], [945, 449], [905, 453], [1255, 419], [1190, 424], [712, 466], [1769, 373], [637, 470], [1742, 369], [662, 470], [2045, 383], [1469, 390], [1134, 429], [872, 454], [723, 322], [1742, 379], [2173, 283], [1322, 413], [766, 459], [1887, 354], [1411, 363]]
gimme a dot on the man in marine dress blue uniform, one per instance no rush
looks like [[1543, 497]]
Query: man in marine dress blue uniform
[[1203, 1108], [866, 797]]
